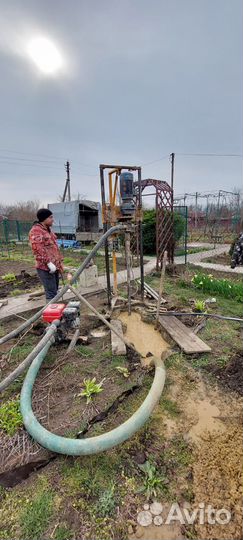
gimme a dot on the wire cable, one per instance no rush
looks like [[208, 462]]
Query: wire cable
[[196, 314]]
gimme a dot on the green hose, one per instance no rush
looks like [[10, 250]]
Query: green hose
[[93, 445]]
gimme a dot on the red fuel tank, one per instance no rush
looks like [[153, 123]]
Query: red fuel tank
[[53, 312]]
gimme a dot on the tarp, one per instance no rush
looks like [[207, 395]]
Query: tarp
[[65, 216]]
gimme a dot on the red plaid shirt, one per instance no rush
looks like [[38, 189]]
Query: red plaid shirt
[[44, 246]]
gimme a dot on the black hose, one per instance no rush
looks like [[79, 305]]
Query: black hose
[[50, 332], [60, 293], [198, 314]]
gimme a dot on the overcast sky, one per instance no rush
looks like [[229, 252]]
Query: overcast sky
[[140, 79]]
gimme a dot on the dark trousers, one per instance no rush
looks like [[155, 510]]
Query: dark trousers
[[49, 281]]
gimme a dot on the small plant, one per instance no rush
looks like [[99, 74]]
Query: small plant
[[16, 292], [200, 305], [9, 278], [123, 370], [152, 483], [91, 388], [106, 503], [10, 417]]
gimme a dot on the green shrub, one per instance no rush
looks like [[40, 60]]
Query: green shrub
[[149, 229]]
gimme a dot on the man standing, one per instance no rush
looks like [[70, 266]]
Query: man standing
[[47, 254]]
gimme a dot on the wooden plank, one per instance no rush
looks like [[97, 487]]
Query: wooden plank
[[183, 336], [117, 345]]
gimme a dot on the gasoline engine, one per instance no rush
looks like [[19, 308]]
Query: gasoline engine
[[67, 314]]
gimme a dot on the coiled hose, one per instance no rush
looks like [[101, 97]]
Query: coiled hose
[[92, 445]]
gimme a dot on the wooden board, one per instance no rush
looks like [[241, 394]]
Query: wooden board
[[183, 336]]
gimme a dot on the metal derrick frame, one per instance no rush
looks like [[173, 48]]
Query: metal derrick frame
[[106, 220]]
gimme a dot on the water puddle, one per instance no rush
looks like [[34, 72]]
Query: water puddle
[[145, 338], [206, 418]]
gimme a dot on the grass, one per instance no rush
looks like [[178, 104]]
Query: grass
[[223, 336], [69, 369], [178, 454], [35, 517], [63, 532], [180, 290], [170, 406], [10, 417], [21, 351], [89, 476], [87, 352]]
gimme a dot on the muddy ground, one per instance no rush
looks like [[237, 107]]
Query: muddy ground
[[193, 438], [23, 282]]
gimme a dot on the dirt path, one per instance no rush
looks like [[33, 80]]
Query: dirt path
[[197, 260]]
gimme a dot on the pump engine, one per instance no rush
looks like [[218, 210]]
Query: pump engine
[[68, 315]]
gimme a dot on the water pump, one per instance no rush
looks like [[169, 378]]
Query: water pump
[[68, 315]]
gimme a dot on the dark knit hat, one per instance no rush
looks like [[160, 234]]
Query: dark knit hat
[[43, 213]]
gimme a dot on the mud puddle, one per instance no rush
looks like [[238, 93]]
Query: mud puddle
[[145, 338], [207, 418]]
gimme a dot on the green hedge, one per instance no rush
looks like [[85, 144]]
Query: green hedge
[[149, 229]]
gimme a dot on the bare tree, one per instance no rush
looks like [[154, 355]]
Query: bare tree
[[23, 211]]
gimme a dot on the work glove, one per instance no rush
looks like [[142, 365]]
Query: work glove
[[52, 267]]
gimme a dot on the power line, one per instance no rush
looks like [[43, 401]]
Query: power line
[[155, 161], [52, 158], [26, 159], [27, 162], [209, 155], [29, 165]]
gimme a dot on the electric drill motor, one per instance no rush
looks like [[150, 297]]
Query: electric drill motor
[[68, 315]]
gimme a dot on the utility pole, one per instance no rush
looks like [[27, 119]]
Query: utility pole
[[196, 197], [67, 190], [172, 156]]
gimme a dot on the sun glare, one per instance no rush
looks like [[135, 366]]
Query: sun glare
[[45, 55]]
